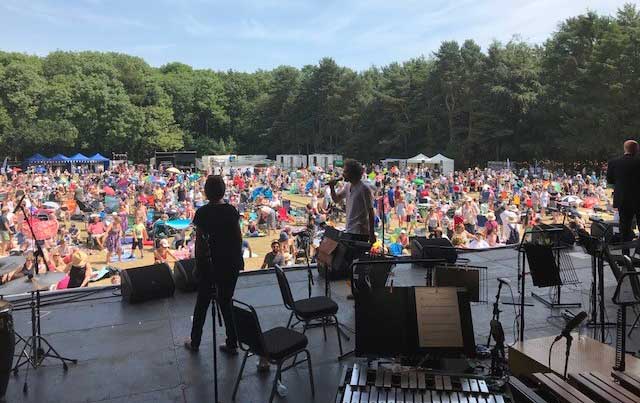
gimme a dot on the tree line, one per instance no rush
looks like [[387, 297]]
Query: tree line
[[576, 96]]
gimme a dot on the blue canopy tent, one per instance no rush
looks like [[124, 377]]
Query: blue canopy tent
[[58, 159], [79, 159], [37, 161], [97, 158]]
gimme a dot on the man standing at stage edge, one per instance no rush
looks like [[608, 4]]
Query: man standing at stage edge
[[624, 174], [218, 261], [360, 214]]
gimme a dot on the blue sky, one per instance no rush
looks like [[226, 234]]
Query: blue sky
[[247, 35]]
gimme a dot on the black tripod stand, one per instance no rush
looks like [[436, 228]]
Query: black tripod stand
[[33, 352], [214, 309]]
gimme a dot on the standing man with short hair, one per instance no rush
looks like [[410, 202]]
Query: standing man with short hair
[[624, 174], [359, 198]]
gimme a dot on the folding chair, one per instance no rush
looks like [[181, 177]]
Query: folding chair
[[276, 345], [309, 309]]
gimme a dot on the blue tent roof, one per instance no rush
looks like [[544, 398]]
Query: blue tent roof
[[79, 158], [58, 158], [98, 157], [36, 159]]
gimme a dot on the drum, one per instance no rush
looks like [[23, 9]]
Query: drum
[[7, 345]]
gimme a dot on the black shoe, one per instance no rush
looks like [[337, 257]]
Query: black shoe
[[191, 347], [228, 349]]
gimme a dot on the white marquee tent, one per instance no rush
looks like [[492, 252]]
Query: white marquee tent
[[445, 164]]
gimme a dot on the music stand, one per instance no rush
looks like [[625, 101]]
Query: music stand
[[627, 294]]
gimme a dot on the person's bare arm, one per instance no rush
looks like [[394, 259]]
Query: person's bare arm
[[87, 275], [337, 197]]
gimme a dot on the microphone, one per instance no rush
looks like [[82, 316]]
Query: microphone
[[504, 281], [15, 210], [571, 325]]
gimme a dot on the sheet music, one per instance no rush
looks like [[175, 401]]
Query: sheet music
[[438, 317]]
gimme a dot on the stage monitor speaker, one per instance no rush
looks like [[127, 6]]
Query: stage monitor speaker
[[183, 275], [146, 283], [435, 248]]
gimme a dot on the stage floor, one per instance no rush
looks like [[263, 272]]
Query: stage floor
[[135, 353]]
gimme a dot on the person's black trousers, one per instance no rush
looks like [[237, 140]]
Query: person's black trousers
[[626, 223], [225, 290]]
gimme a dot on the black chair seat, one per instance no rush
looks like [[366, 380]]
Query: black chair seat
[[315, 307], [281, 342]]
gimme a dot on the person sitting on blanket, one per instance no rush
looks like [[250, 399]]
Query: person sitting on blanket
[[162, 254], [57, 261], [252, 229], [27, 270], [79, 270], [74, 233]]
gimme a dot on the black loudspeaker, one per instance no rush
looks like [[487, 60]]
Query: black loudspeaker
[[146, 283], [183, 275], [435, 248]]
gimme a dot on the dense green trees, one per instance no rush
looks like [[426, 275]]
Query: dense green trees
[[574, 97]]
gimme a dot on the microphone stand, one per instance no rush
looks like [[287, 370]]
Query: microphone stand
[[566, 354], [496, 309], [307, 246]]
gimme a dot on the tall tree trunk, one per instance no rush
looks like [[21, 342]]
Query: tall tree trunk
[[450, 102]]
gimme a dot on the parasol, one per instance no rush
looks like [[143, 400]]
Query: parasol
[[52, 205], [108, 191], [43, 229], [571, 200], [174, 170], [418, 181]]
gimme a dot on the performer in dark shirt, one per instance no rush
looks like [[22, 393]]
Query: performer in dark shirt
[[218, 261], [624, 174]]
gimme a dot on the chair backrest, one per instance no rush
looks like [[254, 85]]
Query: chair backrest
[[621, 264], [285, 290], [248, 328]]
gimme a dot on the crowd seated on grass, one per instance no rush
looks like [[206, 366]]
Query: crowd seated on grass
[[109, 214]]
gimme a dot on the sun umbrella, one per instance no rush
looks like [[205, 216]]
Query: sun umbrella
[[52, 205], [43, 229], [572, 199], [173, 170], [418, 181], [108, 191]]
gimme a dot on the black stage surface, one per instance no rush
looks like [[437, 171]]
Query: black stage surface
[[135, 353]]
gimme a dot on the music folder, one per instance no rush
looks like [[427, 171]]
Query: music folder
[[414, 320]]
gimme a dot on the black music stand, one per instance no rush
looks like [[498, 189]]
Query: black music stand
[[627, 294], [594, 247]]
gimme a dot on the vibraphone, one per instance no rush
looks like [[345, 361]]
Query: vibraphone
[[361, 384]]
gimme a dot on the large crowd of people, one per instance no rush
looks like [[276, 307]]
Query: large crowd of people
[[109, 216]]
